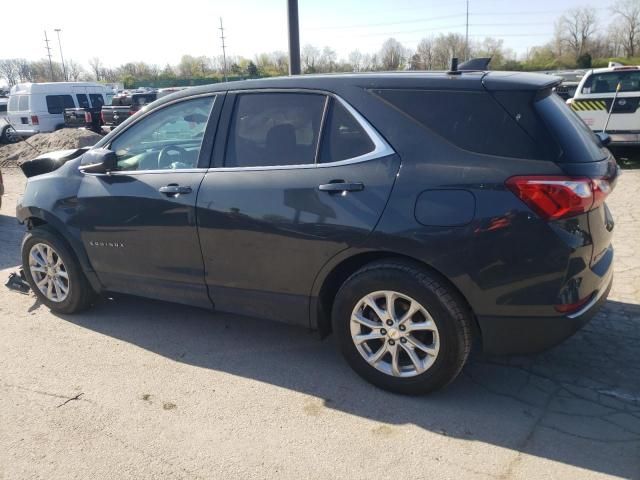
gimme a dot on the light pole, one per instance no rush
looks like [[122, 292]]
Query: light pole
[[294, 37], [64, 69]]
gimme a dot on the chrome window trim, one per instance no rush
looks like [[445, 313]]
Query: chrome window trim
[[381, 147]]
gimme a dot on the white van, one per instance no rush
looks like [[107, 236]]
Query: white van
[[39, 107], [595, 94]]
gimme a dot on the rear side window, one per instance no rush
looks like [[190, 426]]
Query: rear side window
[[274, 129], [57, 103], [608, 82], [578, 142], [13, 103], [83, 101], [96, 100], [473, 121], [23, 103], [343, 136]]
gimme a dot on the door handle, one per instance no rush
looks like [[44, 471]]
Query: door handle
[[340, 186], [173, 189]]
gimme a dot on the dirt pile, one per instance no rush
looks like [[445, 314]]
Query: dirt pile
[[66, 138]]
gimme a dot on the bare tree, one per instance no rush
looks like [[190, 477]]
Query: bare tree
[[448, 46], [327, 60], [9, 71], [309, 56], [576, 28], [96, 66], [627, 17], [392, 54], [424, 57], [74, 70]]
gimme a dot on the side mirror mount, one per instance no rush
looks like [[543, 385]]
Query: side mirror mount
[[98, 160], [604, 138]]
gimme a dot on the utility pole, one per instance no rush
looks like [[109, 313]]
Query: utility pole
[[466, 38], [224, 51], [294, 37], [46, 42], [64, 69]]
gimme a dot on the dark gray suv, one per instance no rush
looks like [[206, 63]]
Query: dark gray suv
[[410, 214]]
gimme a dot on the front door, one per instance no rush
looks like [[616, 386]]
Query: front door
[[286, 199], [138, 224]]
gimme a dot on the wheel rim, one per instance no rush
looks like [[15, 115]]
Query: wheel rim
[[394, 333], [49, 272]]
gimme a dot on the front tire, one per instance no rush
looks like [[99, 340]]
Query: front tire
[[401, 327], [54, 273]]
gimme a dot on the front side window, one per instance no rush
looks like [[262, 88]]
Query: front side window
[[167, 139], [13, 103], [97, 100], [274, 129]]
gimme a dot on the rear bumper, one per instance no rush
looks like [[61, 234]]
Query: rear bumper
[[520, 335]]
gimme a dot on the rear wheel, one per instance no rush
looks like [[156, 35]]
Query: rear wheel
[[54, 273], [401, 327]]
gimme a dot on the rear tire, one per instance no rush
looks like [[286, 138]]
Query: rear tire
[[419, 345], [54, 273]]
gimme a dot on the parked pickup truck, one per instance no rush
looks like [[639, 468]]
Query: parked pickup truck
[[123, 106], [87, 115]]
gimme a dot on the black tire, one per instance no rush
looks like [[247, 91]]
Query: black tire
[[80, 295], [6, 135], [443, 303]]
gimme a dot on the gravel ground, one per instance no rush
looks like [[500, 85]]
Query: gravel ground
[[142, 389]]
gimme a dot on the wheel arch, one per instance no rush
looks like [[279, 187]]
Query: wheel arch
[[45, 219], [328, 285]]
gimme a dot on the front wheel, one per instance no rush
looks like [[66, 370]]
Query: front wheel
[[53, 272], [8, 135], [401, 327]]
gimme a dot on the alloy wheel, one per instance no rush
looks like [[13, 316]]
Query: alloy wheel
[[394, 333], [49, 272]]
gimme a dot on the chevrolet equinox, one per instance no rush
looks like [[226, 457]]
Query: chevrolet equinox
[[411, 214]]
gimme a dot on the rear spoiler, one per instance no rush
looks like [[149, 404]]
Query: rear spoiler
[[522, 81]]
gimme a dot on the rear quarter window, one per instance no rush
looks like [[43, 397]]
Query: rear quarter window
[[473, 121]]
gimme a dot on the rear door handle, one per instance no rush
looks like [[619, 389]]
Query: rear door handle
[[173, 189], [338, 187]]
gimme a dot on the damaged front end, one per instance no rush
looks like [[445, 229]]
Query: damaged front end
[[49, 162]]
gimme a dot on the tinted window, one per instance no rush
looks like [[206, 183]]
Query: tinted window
[[57, 103], [83, 101], [270, 129], [343, 136], [608, 82], [473, 121], [96, 100], [578, 142], [3, 107], [168, 139], [23, 103]]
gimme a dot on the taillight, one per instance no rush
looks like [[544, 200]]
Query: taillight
[[573, 307], [34, 120], [87, 117], [555, 197]]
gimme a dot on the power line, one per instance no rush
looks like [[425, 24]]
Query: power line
[[46, 42], [224, 50]]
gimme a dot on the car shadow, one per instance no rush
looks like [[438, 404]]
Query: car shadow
[[578, 404]]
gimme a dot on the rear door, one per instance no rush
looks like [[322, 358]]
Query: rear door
[[284, 198]]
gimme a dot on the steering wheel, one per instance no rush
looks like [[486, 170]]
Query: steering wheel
[[163, 155]]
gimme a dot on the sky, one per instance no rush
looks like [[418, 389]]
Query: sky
[[119, 31]]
